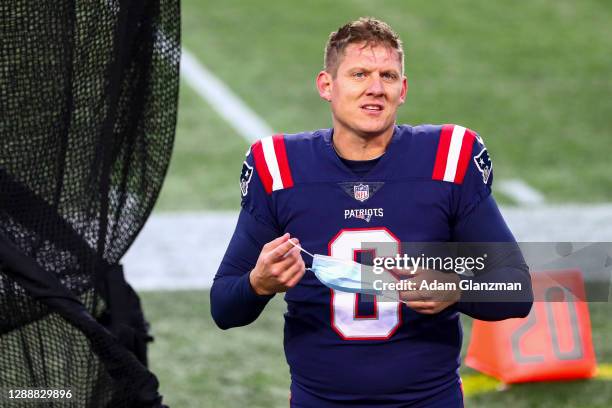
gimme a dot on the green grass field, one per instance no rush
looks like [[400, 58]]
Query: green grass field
[[199, 365], [532, 77]]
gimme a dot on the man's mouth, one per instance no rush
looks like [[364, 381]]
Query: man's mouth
[[372, 107]]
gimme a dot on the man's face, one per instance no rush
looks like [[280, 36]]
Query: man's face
[[366, 91]]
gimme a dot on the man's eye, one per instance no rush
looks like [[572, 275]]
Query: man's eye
[[359, 74], [389, 75]]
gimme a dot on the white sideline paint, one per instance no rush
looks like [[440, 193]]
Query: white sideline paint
[[237, 114], [520, 192], [184, 250]]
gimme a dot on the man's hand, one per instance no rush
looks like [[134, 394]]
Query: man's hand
[[279, 267], [429, 301]]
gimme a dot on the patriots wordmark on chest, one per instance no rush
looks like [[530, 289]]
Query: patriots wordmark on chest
[[365, 214]]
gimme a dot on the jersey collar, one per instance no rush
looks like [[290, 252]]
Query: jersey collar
[[382, 169]]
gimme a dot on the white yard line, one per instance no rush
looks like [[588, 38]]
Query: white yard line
[[183, 250], [520, 192], [237, 114]]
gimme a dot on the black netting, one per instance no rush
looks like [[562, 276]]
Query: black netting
[[87, 118]]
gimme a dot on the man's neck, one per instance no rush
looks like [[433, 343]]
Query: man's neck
[[350, 146]]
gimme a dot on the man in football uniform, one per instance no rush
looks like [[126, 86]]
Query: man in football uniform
[[366, 180]]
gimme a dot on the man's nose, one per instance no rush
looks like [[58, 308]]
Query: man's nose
[[375, 87]]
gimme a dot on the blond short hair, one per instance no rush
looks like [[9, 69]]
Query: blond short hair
[[366, 30]]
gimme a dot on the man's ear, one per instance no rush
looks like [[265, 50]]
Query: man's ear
[[404, 90], [324, 85]]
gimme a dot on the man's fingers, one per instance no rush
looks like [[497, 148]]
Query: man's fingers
[[286, 261], [289, 273], [278, 241], [278, 266], [408, 296], [295, 274], [402, 273], [294, 247], [421, 306], [429, 307], [414, 295], [281, 250]]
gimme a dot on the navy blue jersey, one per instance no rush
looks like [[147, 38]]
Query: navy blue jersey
[[433, 184]]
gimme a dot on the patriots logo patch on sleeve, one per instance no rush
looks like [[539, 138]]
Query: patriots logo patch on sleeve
[[245, 178], [484, 164]]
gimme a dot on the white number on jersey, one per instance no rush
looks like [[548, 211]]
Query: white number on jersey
[[344, 319]]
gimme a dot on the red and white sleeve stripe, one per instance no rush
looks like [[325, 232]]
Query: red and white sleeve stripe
[[453, 155], [270, 156]]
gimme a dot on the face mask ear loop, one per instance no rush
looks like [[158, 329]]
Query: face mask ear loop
[[301, 249]]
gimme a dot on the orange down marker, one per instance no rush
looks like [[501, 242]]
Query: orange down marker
[[552, 343]]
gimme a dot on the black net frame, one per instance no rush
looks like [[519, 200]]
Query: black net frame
[[88, 103]]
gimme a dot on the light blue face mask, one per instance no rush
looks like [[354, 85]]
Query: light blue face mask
[[339, 274], [348, 276]]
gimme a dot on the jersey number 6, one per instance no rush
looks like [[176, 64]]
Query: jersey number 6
[[344, 314]]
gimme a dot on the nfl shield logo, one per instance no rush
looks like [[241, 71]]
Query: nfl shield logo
[[362, 192]]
